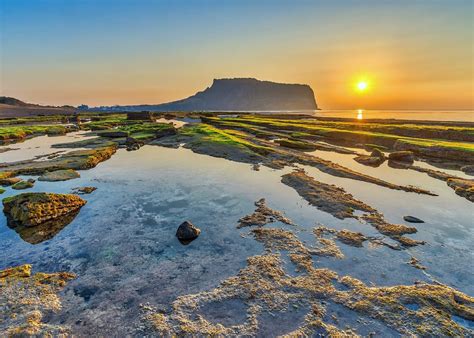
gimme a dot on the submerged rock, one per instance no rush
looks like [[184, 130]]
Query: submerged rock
[[24, 184], [265, 287], [326, 197], [84, 190], [59, 175], [26, 297], [187, 232], [462, 187], [413, 219], [402, 156], [351, 238], [263, 215], [32, 209]]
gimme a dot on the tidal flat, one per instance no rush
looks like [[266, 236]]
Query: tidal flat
[[327, 251]]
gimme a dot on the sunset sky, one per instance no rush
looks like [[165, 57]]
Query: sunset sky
[[412, 54]]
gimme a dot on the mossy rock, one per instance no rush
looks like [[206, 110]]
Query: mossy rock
[[59, 175], [296, 144], [32, 209], [9, 181], [23, 185]]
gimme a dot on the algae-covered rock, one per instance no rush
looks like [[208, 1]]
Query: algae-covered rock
[[25, 298], [21, 185], [113, 133], [2, 191], [77, 159], [326, 197], [263, 215], [462, 187], [32, 209], [59, 175], [84, 190], [351, 238], [402, 156], [7, 178], [296, 144]]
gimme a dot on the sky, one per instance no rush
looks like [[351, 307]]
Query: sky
[[412, 54]]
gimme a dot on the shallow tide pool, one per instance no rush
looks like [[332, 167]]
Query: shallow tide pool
[[123, 248]]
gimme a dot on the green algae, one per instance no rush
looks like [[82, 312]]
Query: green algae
[[15, 133], [432, 145]]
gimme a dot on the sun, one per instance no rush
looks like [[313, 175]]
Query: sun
[[362, 86]]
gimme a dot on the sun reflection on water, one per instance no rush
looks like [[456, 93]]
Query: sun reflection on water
[[359, 114]]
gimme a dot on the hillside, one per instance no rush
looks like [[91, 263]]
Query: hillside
[[242, 94]]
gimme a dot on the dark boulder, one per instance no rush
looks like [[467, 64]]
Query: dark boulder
[[468, 169], [187, 232], [413, 219], [377, 153], [370, 161], [402, 156], [166, 132], [133, 144]]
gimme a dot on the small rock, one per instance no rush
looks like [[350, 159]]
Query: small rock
[[9, 181], [377, 153], [372, 161], [187, 232], [166, 132], [413, 219], [24, 184], [59, 175], [402, 156], [83, 190], [133, 144], [468, 169]]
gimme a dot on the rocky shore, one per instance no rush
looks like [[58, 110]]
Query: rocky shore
[[264, 287]]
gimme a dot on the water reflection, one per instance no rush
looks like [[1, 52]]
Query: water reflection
[[359, 114], [43, 231]]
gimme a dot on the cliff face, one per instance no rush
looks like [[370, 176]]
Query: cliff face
[[248, 95], [240, 95]]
